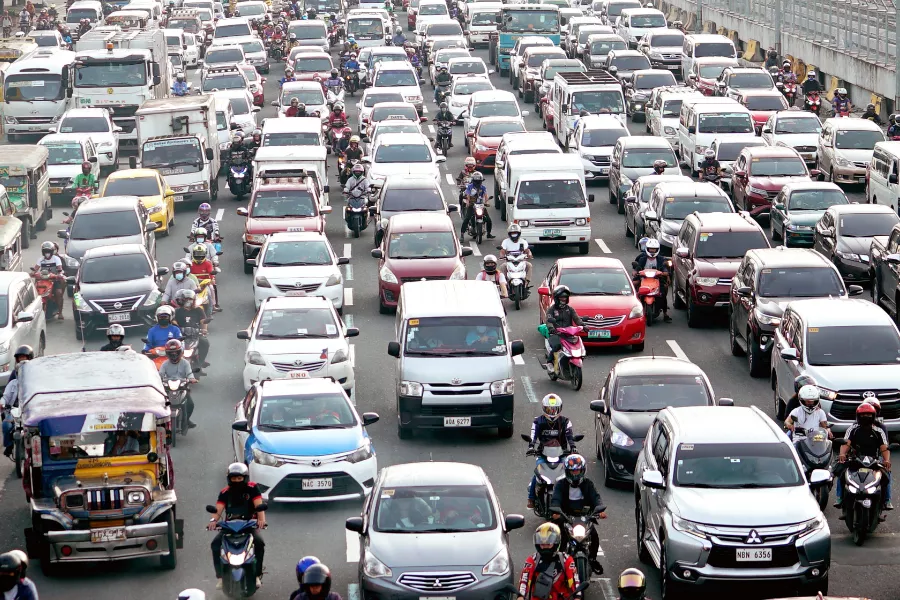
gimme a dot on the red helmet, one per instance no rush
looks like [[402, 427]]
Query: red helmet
[[865, 413], [346, 131]]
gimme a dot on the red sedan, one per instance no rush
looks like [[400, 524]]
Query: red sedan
[[486, 138], [762, 104], [604, 298]]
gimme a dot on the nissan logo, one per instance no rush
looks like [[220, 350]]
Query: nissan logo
[[868, 395], [117, 305], [753, 538]]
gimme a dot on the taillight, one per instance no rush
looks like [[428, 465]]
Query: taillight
[[37, 459]]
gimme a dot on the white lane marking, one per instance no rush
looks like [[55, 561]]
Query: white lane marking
[[348, 296], [529, 389], [606, 586], [677, 350], [517, 359], [424, 110], [348, 320], [603, 246], [431, 129], [353, 591], [347, 249], [220, 214], [352, 355], [348, 272], [450, 180], [347, 232], [352, 546], [475, 249]]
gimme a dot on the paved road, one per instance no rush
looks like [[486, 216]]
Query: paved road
[[297, 530]]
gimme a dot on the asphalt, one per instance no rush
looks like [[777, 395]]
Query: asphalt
[[318, 529]]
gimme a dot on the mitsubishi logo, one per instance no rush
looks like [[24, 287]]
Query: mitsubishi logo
[[316, 462], [867, 395], [437, 583], [753, 538], [117, 305]]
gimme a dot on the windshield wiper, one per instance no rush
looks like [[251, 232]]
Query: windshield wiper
[[293, 264], [296, 335], [276, 427], [411, 257], [596, 293], [470, 353]]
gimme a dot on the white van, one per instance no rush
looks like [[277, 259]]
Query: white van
[[224, 119], [34, 91], [703, 45], [279, 161], [481, 21], [701, 122], [546, 196], [664, 110], [369, 30], [884, 175], [292, 132], [92, 10]]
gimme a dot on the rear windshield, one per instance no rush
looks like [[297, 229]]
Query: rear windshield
[[603, 47], [643, 158], [412, 200], [535, 60], [653, 80], [765, 103], [777, 167], [307, 32], [495, 109], [680, 208], [433, 9], [283, 203], [313, 64], [594, 138], [750, 80], [647, 21], [729, 151], [225, 55], [798, 125], [667, 40], [498, 129]]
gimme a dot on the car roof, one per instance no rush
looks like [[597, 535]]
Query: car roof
[[131, 174], [584, 262], [394, 104], [851, 123], [288, 387], [420, 221], [685, 190], [767, 151], [827, 312], [297, 236], [655, 365], [657, 179], [108, 204], [722, 425], [609, 121], [459, 59], [432, 473], [81, 138], [810, 185], [645, 141], [86, 112], [722, 222], [756, 92], [618, 53], [839, 209], [529, 139], [782, 256], [641, 11], [804, 114], [746, 70], [402, 138], [114, 250], [492, 96]]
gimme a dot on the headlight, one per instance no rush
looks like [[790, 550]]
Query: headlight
[[80, 303], [237, 559], [255, 358], [335, 279], [255, 238], [265, 459], [372, 567], [499, 565], [11, 121], [480, 148], [767, 319], [524, 223], [620, 439], [339, 357], [152, 299], [135, 497], [581, 222], [362, 453], [688, 527], [387, 275], [656, 55], [699, 149], [503, 387], [669, 130], [706, 281], [198, 187], [811, 526], [458, 273], [757, 191], [71, 262], [849, 256], [578, 532], [624, 182], [411, 388], [637, 312], [104, 145], [826, 394], [842, 162], [156, 209], [667, 238]]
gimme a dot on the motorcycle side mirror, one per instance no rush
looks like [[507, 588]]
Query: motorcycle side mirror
[[726, 402], [578, 437], [15, 412], [377, 253], [145, 340], [819, 476], [767, 130], [651, 215], [789, 354], [452, 208], [252, 262], [512, 522], [370, 418], [273, 103], [600, 406], [243, 335], [211, 509]]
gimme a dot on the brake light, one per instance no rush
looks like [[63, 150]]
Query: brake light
[[37, 459]]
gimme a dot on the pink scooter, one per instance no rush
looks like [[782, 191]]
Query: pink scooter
[[567, 362]]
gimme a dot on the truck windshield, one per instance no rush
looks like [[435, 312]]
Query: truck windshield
[[174, 157], [97, 444], [75, 15], [107, 269], [532, 21], [595, 101], [279, 204], [455, 336], [65, 154], [32, 86], [110, 75], [105, 225], [552, 193]]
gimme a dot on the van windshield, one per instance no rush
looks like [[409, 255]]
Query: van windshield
[[484, 18], [853, 345], [455, 336], [532, 21], [596, 101], [70, 153], [598, 138], [75, 15], [682, 207], [714, 49], [443, 29], [728, 151], [671, 108], [32, 86], [726, 123], [553, 193], [419, 245], [849, 139]]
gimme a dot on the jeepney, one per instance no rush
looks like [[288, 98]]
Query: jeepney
[[23, 170], [97, 471], [10, 244], [14, 48]]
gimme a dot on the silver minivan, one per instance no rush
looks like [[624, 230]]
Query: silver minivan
[[454, 358]]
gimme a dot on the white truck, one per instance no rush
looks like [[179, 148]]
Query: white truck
[[177, 136], [120, 70], [35, 92]]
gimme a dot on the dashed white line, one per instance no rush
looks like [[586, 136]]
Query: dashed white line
[[348, 296], [347, 250], [517, 359], [431, 129], [475, 249], [220, 214], [606, 586], [603, 246], [353, 591], [348, 272], [352, 546], [348, 320], [677, 349], [450, 180], [529, 389]]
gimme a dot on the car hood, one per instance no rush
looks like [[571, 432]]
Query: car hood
[[609, 306], [667, 49], [773, 306], [263, 225], [633, 424], [633, 173], [296, 273], [761, 116], [61, 171], [856, 156], [857, 377], [490, 142], [425, 267], [77, 248], [776, 183], [857, 245], [317, 442], [117, 289], [308, 349], [805, 217], [470, 548], [385, 169], [472, 369], [797, 139], [723, 268], [773, 506]]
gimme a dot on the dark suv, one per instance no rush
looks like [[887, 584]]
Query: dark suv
[[767, 280], [708, 250]]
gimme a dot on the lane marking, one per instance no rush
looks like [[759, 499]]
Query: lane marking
[[431, 129], [424, 110], [353, 591], [348, 272], [220, 214], [352, 355], [348, 296], [606, 586], [475, 249], [450, 180], [347, 250], [517, 359], [677, 350], [352, 546], [348, 320], [529, 389], [347, 232], [603, 246]]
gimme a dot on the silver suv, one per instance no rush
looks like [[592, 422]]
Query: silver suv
[[721, 496]]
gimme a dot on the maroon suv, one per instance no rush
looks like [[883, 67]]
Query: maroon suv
[[759, 174], [709, 250]]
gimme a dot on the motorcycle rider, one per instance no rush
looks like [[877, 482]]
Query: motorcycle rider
[[871, 114], [515, 243], [353, 151], [206, 221], [550, 573], [352, 64], [811, 83], [52, 263], [475, 193], [632, 585], [794, 401], [25, 21], [879, 422], [253, 143], [357, 189], [181, 279], [288, 76], [550, 428], [399, 39], [12, 584], [808, 416], [841, 103], [316, 584], [650, 259], [164, 330], [894, 127], [786, 75], [864, 439], [23, 572], [709, 165], [188, 314], [178, 367], [335, 83], [568, 501], [237, 156], [238, 500], [116, 336], [490, 273], [180, 87], [85, 180], [659, 167], [199, 236], [771, 59], [203, 268], [442, 79], [444, 114], [11, 398], [462, 180], [560, 314], [295, 109], [302, 566]]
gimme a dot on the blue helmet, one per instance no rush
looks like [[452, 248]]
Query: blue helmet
[[305, 563], [351, 40]]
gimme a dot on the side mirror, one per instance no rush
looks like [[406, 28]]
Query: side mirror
[[631, 199], [744, 291], [599, 406], [24, 317], [692, 129], [778, 206], [653, 479], [326, 210], [243, 335], [240, 426], [740, 174], [816, 173], [512, 522], [377, 253], [544, 290], [767, 130], [352, 332], [692, 77], [242, 212], [394, 349], [62, 234], [789, 354], [70, 280], [354, 524], [16, 412], [209, 154], [343, 260], [893, 178], [369, 418], [162, 271], [252, 262], [683, 253], [590, 197], [517, 347], [465, 251], [651, 215], [819, 476], [92, 159], [452, 208], [854, 290], [726, 402], [152, 226]]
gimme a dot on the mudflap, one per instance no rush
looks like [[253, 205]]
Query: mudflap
[[179, 534], [32, 542]]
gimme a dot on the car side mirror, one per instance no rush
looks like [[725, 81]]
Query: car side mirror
[[819, 476], [352, 332], [744, 291], [725, 402], [209, 154], [24, 317], [242, 212], [162, 271], [740, 174], [517, 347], [683, 253], [767, 130], [854, 290], [778, 206], [692, 129], [243, 335], [465, 251], [452, 208], [631, 199], [377, 253], [240, 426], [152, 226], [354, 524], [369, 418], [692, 77], [343, 260], [252, 262], [62, 234], [651, 215], [394, 349], [15, 412], [653, 479], [70, 280], [511, 522], [789, 354], [892, 178], [599, 406]]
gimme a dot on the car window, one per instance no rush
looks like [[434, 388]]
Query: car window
[[731, 466], [84, 125], [300, 253], [297, 323], [283, 203], [661, 452], [305, 412], [423, 509], [133, 186], [104, 225]]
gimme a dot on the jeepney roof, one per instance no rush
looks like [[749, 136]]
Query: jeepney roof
[[28, 157], [9, 229]]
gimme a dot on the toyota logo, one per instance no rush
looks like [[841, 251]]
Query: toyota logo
[[753, 538], [299, 284], [117, 305], [298, 363], [598, 317], [456, 381], [867, 395], [316, 463]]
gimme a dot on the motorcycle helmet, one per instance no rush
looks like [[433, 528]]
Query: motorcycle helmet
[[9, 571], [185, 298], [198, 253], [351, 40], [179, 268], [469, 162], [490, 264], [174, 350], [659, 165], [317, 575], [398, 31], [303, 564], [810, 74], [865, 414], [25, 351], [353, 56], [257, 135], [86, 168], [892, 119], [300, 106], [841, 91], [23, 558], [200, 235], [179, 76], [192, 594], [444, 106], [551, 406], [346, 131], [288, 72], [809, 398], [632, 584], [477, 178], [357, 170], [204, 211], [354, 139], [338, 107], [514, 232], [115, 331], [785, 64], [334, 73], [876, 403], [237, 471], [710, 154], [560, 292], [546, 539], [575, 469], [870, 107], [164, 315], [802, 380], [652, 248], [47, 249]]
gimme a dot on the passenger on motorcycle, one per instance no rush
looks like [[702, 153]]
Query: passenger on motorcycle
[[443, 79], [709, 165], [414, 59], [199, 236], [871, 114], [560, 314], [550, 428], [203, 268], [178, 367], [444, 114], [786, 75], [808, 416], [85, 180], [659, 167], [399, 39], [11, 398], [53, 263], [302, 566], [116, 336], [864, 439], [206, 221], [894, 127], [490, 273], [811, 83], [650, 259], [550, 573], [334, 83], [181, 279], [238, 500], [841, 103], [632, 585], [475, 193], [515, 243], [462, 179], [357, 187], [189, 315], [316, 584], [180, 87], [296, 109], [576, 495]]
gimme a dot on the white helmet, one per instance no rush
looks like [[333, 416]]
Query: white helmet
[[552, 406], [192, 594], [652, 247], [809, 398]]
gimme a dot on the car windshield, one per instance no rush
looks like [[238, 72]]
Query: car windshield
[[815, 199], [172, 157], [495, 109], [652, 80], [597, 100], [736, 466], [474, 67], [484, 18], [240, 106], [98, 444], [65, 154], [433, 9], [104, 225], [373, 99], [175, 59], [396, 79], [729, 151], [468, 88], [232, 30], [867, 224], [443, 509], [403, 153], [307, 32], [309, 64], [849, 139], [671, 108], [759, 79], [189, 25], [299, 412], [412, 199], [300, 323], [132, 186], [407, 113], [307, 97], [293, 254], [725, 123], [225, 55], [173, 40], [652, 393], [729, 244], [455, 336], [532, 21], [679, 208], [782, 166], [630, 63], [422, 244], [765, 103], [498, 129], [798, 125], [298, 138], [800, 282], [603, 47], [442, 57], [668, 40], [711, 71], [643, 158], [724, 49], [84, 125], [224, 82], [107, 269], [554, 193], [648, 21], [75, 15], [4, 310], [251, 10], [598, 138], [278, 204], [596, 281], [828, 346], [32, 86]]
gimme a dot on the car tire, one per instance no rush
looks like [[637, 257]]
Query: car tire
[[608, 481], [248, 269], [382, 309], [612, 196], [628, 232], [693, 319], [637, 347], [170, 561], [640, 524], [756, 362], [677, 302], [505, 431], [669, 590], [776, 237], [780, 408]]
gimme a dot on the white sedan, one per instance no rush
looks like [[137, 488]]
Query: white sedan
[[99, 126], [403, 154], [370, 98], [797, 129], [462, 89]]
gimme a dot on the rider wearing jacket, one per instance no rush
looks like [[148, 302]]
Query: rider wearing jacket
[[206, 221], [549, 574], [475, 193], [444, 114], [560, 314], [462, 179], [334, 83], [865, 439], [576, 495], [871, 114], [357, 187], [295, 109], [316, 584], [841, 103], [444, 79], [180, 87], [709, 165], [549, 429], [650, 259], [116, 336], [399, 39], [811, 83]]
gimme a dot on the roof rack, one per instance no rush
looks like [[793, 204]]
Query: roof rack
[[589, 77]]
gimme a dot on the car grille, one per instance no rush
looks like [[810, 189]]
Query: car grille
[[805, 148], [302, 287], [121, 112], [34, 120], [117, 304], [454, 411], [105, 499], [771, 195], [846, 411], [671, 57], [438, 583], [552, 223], [602, 322], [860, 395], [724, 281], [292, 486], [310, 366], [429, 278], [601, 161], [726, 557], [861, 165], [489, 161]]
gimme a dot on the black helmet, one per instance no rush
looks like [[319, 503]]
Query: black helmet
[[24, 350], [317, 574], [477, 177], [10, 567], [870, 106], [632, 584], [802, 380], [334, 72], [48, 247], [561, 290]]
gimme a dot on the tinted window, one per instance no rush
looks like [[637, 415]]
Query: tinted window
[[466, 89], [252, 46], [313, 64], [735, 466], [396, 79], [410, 200], [132, 186], [596, 282], [713, 49], [671, 40], [594, 138], [402, 153], [857, 140], [224, 82], [444, 29], [98, 226], [560, 193], [867, 225], [765, 103], [596, 101], [285, 254], [475, 67], [750, 80], [729, 244], [682, 207], [653, 80], [307, 32], [240, 106], [283, 203], [456, 336], [799, 282], [535, 60], [630, 63], [433, 9], [424, 509], [105, 269], [711, 71], [234, 29], [855, 345], [646, 21], [816, 199], [654, 393], [643, 158]]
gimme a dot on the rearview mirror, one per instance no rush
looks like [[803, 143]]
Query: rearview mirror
[[599, 406], [241, 212], [789, 354], [243, 335], [369, 418], [465, 251], [239, 426], [651, 215], [544, 290], [517, 347], [394, 349], [512, 522], [24, 317], [252, 262], [855, 290], [744, 291], [683, 253], [653, 480], [354, 524]]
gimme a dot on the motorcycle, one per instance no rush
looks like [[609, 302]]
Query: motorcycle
[[191, 337], [863, 483], [356, 217], [351, 80], [516, 269], [567, 363], [238, 180], [335, 133], [546, 474], [44, 282], [443, 136], [650, 291], [476, 225], [276, 51], [238, 555], [443, 92], [814, 450], [578, 530], [813, 103], [790, 93], [842, 110], [157, 355], [177, 390]]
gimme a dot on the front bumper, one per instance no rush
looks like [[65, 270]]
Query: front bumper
[[135, 544], [185, 196], [595, 170], [849, 175], [479, 37], [852, 270], [711, 296], [335, 293], [499, 413], [34, 128], [621, 460], [161, 218], [388, 589], [802, 238], [142, 318], [485, 159], [567, 235], [758, 205], [285, 483], [630, 331], [341, 372]]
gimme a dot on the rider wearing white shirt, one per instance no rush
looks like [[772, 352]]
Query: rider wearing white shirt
[[515, 243], [490, 273], [808, 415]]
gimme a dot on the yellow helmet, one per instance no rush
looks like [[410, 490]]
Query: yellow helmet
[[354, 139], [547, 534]]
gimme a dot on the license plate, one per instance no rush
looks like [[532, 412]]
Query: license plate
[[295, 293], [753, 554], [107, 534], [552, 233], [295, 229], [119, 317], [56, 190], [299, 374], [437, 597], [599, 333], [178, 198], [860, 180], [457, 421], [604, 171], [320, 483], [34, 128], [673, 67]]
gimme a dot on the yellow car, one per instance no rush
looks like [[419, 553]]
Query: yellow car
[[151, 188]]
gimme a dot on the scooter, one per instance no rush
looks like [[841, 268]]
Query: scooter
[[476, 225], [177, 390], [863, 482], [443, 136], [567, 363], [516, 269], [157, 355], [442, 93], [546, 474], [813, 103], [356, 217], [790, 92], [351, 80], [238, 555], [335, 133], [238, 180], [814, 450], [650, 292], [44, 282]]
